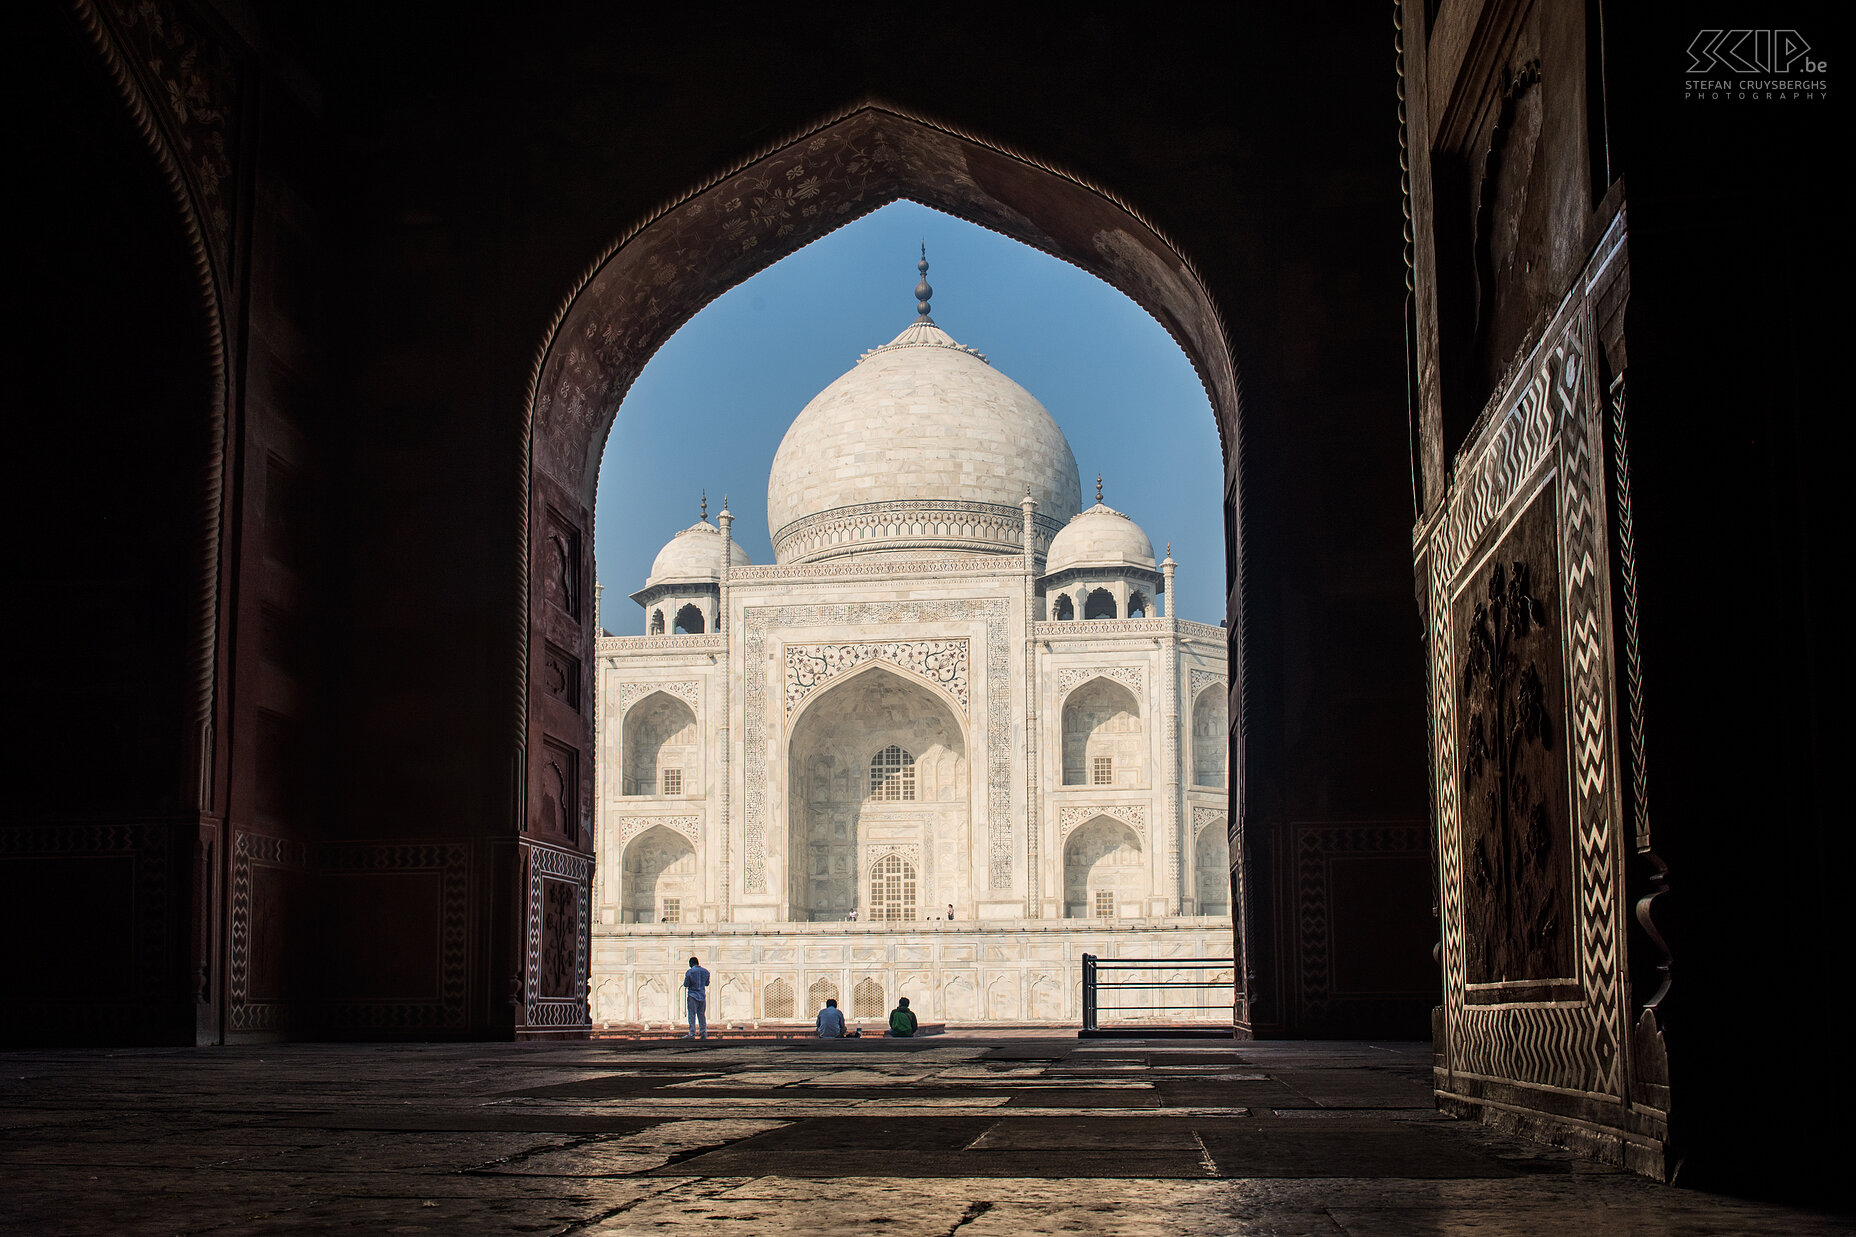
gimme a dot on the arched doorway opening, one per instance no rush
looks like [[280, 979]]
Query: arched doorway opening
[[659, 274]]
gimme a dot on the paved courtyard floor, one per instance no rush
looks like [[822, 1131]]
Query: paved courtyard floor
[[980, 1137]]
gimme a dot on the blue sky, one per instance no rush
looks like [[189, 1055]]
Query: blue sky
[[711, 407]]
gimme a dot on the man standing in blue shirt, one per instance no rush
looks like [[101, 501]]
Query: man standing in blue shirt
[[696, 989]]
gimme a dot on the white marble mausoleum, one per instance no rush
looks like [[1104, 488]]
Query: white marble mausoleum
[[953, 737]]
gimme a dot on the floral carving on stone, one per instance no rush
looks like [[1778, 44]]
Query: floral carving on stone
[[1130, 676], [1134, 815], [1202, 679], [943, 663], [631, 826], [1203, 816], [689, 691]]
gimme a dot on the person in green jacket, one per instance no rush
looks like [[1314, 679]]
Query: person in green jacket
[[901, 1020]]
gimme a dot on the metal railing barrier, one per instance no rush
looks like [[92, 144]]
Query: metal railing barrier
[[1155, 975]]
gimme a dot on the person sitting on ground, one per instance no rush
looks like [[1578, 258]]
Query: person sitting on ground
[[901, 1020], [831, 1021]]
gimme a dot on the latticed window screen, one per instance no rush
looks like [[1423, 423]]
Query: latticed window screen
[[1105, 904], [776, 1000], [892, 775], [1102, 771], [673, 910], [673, 781], [892, 889], [822, 990], [867, 999]]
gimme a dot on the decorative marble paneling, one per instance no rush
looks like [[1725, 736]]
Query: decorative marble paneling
[[548, 944], [1547, 427], [941, 663], [677, 644], [911, 855], [1092, 629], [908, 524], [888, 566], [1202, 679], [1203, 816]]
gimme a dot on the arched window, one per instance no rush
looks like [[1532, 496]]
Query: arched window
[[892, 890], [867, 999], [689, 621], [657, 622], [1063, 610], [892, 775], [776, 1000], [822, 990], [1137, 605], [1101, 605]]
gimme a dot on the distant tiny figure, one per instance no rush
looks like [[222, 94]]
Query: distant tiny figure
[[831, 1020], [696, 992], [950, 912], [901, 1019], [852, 917]]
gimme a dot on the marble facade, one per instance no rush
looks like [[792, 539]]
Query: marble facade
[[941, 747]]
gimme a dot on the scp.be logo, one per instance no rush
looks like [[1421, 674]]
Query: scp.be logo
[[1752, 51]]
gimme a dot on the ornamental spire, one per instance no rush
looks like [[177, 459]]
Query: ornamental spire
[[922, 290], [1098, 487], [705, 506]]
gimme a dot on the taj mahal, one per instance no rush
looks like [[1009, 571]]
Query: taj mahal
[[950, 740]]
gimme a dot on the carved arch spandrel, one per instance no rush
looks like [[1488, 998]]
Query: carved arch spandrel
[[184, 91]]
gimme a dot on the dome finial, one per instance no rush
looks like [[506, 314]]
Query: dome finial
[[705, 505], [922, 290], [1098, 487]]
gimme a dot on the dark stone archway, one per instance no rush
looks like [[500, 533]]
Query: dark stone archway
[[659, 274]]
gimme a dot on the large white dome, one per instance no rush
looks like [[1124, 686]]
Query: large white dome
[[922, 447]]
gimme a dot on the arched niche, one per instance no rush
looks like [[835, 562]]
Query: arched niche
[[656, 627], [1102, 722], [690, 621], [1211, 857], [1100, 604], [1062, 610], [661, 878], [1211, 738], [1103, 871], [661, 737], [834, 743], [1139, 606]]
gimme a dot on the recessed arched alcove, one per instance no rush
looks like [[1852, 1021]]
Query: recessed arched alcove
[[876, 747], [1104, 876], [1102, 740]]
